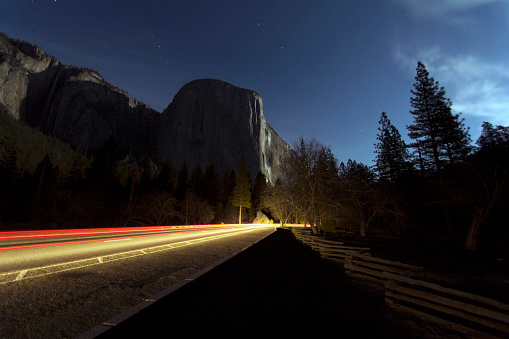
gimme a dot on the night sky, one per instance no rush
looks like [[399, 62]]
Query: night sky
[[325, 69]]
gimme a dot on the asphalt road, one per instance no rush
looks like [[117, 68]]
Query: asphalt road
[[24, 252], [69, 302]]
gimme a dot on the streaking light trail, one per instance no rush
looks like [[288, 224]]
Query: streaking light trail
[[98, 234], [21, 260]]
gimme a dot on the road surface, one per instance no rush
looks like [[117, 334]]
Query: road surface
[[66, 298], [34, 253]]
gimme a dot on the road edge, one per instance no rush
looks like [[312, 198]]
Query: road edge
[[119, 318]]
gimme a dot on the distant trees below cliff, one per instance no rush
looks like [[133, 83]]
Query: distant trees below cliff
[[38, 174], [46, 183]]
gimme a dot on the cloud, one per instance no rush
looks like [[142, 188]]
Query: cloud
[[443, 7], [477, 87], [448, 11]]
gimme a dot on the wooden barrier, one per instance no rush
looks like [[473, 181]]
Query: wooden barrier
[[374, 268], [305, 238], [303, 235], [336, 250], [440, 304], [328, 248], [342, 254], [446, 304]]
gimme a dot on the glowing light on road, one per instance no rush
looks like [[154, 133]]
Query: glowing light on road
[[34, 272], [124, 239], [10, 235], [27, 235]]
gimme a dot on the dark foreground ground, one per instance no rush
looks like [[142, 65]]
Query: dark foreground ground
[[277, 288]]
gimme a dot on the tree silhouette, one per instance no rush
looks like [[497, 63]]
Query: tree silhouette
[[277, 200], [493, 138], [182, 182], [196, 210], [196, 181], [360, 201], [391, 152], [212, 184], [260, 186], [439, 136], [167, 176], [156, 208], [241, 195], [311, 176]]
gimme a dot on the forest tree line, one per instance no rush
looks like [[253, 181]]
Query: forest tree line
[[439, 186], [46, 183]]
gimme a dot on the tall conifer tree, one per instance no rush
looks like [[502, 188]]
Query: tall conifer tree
[[391, 152], [241, 195], [493, 137], [182, 182], [439, 136]]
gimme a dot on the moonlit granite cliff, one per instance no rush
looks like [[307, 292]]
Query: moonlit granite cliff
[[208, 120], [213, 120], [72, 103]]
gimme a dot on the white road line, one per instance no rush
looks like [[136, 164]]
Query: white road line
[[129, 254], [21, 275], [117, 240]]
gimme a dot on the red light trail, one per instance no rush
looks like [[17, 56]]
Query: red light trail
[[41, 234]]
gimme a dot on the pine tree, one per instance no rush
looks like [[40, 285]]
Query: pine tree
[[260, 186], [196, 182], [439, 136], [457, 139], [147, 176], [493, 138], [241, 195], [360, 204], [212, 184], [391, 150], [182, 182], [167, 176]]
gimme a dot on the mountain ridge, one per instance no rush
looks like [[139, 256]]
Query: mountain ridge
[[208, 120]]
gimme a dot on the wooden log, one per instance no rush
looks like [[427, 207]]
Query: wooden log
[[341, 260], [331, 242], [451, 303], [378, 267], [333, 251], [342, 255], [450, 311], [353, 267], [446, 290], [342, 247], [339, 250], [389, 262], [307, 238]]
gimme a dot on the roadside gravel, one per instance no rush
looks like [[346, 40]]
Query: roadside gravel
[[66, 304]]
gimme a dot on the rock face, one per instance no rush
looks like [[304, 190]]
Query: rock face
[[211, 120], [74, 104], [24, 71], [208, 120]]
